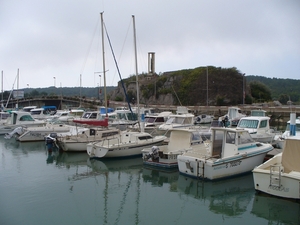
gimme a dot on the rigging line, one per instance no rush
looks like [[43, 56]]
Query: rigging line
[[118, 69], [176, 95], [89, 48], [123, 44], [123, 201]]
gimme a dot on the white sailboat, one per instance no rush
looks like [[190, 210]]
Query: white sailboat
[[127, 144]]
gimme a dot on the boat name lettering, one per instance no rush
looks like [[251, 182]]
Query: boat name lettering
[[220, 167], [234, 163], [281, 188], [35, 134]]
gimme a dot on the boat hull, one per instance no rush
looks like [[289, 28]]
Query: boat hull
[[202, 168], [289, 188], [39, 134], [100, 150], [276, 182]]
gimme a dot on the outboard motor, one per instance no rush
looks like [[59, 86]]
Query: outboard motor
[[154, 153], [17, 131], [51, 141]]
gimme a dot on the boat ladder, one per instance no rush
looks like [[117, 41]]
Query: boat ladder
[[275, 175]]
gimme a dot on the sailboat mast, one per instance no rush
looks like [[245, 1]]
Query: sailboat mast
[[17, 105], [140, 115], [80, 91], [2, 106], [103, 58], [136, 66]]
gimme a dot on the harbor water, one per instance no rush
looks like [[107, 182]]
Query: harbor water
[[42, 187]]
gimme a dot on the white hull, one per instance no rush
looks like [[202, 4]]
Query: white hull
[[111, 148], [78, 142], [209, 169], [4, 129], [39, 133], [276, 182], [73, 146], [290, 185]]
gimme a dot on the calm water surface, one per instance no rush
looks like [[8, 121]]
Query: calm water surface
[[37, 187]]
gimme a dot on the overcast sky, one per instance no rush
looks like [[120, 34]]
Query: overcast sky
[[62, 38]]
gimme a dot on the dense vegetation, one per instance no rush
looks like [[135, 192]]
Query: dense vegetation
[[198, 86], [282, 90]]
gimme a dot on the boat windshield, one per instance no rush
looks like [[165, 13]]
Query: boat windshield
[[297, 127], [248, 123], [245, 138], [149, 119], [26, 118], [127, 116], [179, 120]]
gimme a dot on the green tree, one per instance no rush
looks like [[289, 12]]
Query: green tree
[[283, 99], [260, 92]]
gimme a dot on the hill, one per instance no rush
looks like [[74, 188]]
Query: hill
[[199, 86], [207, 86]]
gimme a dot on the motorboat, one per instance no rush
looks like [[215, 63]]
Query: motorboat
[[28, 108], [181, 119], [232, 117], [126, 144], [66, 116], [203, 119], [123, 117], [280, 139], [180, 141], [231, 152], [259, 127], [17, 119], [280, 175], [43, 113], [58, 114], [29, 134], [78, 142], [153, 121], [92, 118]]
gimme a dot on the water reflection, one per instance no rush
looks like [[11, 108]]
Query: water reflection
[[113, 165], [160, 177], [276, 210], [229, 197], [121, 188]]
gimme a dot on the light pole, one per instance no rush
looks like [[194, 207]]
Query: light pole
[[243, 89], [100, 88], [206, 85], [28, 93], [54, 81]]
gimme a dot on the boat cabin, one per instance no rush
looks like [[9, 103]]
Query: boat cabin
[[28, 108], [258, 112], [227, 142], [255, 124], [18, 117]]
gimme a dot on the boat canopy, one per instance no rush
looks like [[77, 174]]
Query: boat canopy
[[291, 155]]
